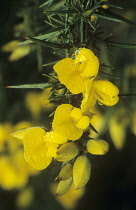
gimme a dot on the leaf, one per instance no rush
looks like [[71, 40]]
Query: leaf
[[111, 5], [121, 45], [45, 3], [58, 12], [45, 43], [50, 64], [106, 14], [49, 35], [35, 86]]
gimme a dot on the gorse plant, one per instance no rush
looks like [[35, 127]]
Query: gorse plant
[[75, 35]]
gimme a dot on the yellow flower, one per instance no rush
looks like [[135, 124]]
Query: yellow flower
[[37, 102], [70, 122], [70, 199], [35, 148], [103, 91], [24, 198], [41, 146], [76, 73], [6, 140], [118, 127], [98, 122], [10, 46], [14, 171], [18, 52]]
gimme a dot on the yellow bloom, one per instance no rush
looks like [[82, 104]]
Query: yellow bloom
[[98, 122], [17, 51], [76, 73], [93, 17], [24, 198], [10, 46], [7, 139], [38, 149], [118, 127], [37, 102], [103, 91], [35, 148], [70, 199], [5, 130], [69, 121], [14, 171], [55, 137], [41, 146]]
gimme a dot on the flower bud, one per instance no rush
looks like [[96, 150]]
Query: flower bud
[[97, 147], [63, 187], [66, 152], [66, 172], [81, 171]]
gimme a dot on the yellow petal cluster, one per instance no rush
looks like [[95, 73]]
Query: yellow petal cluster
[[18, 52], [76, 73], [69, 121], [103, 91], [63, 142], [35, 148]]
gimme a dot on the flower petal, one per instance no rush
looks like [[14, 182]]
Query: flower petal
[[83, 54], [35, 148], [106, 92], [83, 123], [105, 87], [64, 124], [106, 99], [91, 68], [76, 114], [55, 137], [88, 101], [70, 76]]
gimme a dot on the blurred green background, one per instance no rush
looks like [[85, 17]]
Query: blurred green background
[[113, 180]]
